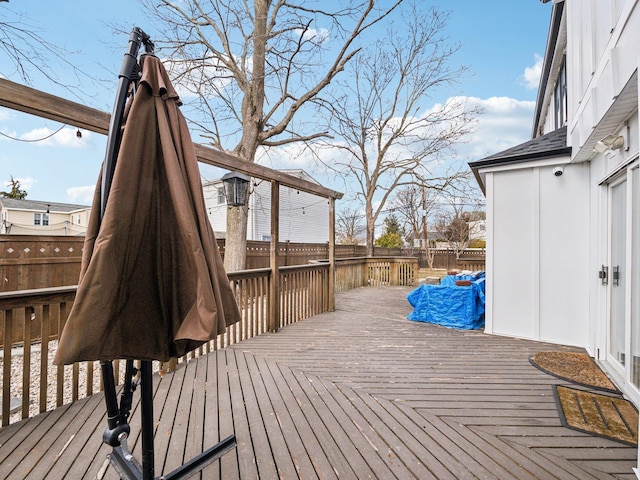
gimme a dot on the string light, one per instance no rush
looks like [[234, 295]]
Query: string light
[[37, 139]]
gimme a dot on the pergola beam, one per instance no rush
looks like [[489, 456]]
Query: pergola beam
[[35, 102]]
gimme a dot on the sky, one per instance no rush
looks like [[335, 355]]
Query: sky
[[502, 45]]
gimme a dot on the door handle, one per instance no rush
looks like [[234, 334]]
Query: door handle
[[603, 275], [616, 275]]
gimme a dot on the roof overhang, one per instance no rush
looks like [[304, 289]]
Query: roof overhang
[[625, 103], [549, 146]]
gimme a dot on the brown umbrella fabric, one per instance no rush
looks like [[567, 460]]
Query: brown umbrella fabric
[[152, 285]]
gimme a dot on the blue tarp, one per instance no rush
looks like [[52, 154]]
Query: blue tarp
[[450, 305]]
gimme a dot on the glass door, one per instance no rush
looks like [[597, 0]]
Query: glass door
[[617, 270], [635, 276]]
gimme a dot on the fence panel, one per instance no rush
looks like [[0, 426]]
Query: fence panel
[[28, 261]]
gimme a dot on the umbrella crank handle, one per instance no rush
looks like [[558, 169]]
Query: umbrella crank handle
[[117, 437], [126, 397], [116, 425]]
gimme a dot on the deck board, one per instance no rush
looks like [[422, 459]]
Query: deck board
[[352, 394]]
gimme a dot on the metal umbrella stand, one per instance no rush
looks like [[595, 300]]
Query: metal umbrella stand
[[75, 341]]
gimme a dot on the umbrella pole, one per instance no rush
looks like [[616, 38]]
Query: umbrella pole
[[118, 429], [146, 399]]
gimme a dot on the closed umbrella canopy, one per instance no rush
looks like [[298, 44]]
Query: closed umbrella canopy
[[152, 285]]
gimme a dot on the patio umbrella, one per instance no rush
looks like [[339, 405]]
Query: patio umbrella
[[152, 285]]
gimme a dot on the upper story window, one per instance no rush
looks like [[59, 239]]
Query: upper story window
[[41, 219], [221, 198], [560, 97]]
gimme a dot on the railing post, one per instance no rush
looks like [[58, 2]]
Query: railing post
[[274, 290], [394, 278], [332, 254]]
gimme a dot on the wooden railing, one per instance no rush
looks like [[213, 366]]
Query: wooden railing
[[33, 320], [376, 271], [31, 384]]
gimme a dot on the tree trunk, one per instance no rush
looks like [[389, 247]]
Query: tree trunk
[[252, 126], [371, 229], [235, 250]]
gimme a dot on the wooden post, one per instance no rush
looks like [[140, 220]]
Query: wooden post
[[274, 290], [332, 254], [394, 275]]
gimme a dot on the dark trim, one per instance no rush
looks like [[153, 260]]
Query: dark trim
[[554, 29], [527, 157]]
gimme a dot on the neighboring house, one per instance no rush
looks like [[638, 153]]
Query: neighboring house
[[563, 209], [303, 217], [32, 217], [477, 230]]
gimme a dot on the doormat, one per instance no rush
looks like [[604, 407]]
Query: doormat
[[603, 415], [578, 368]]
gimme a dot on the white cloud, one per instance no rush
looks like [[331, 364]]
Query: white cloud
[[531, 76], [316, 36], [82, 195], [505, 123]]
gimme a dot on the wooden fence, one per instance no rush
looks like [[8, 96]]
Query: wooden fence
[[28, 262], [361, 272], [28, 317]]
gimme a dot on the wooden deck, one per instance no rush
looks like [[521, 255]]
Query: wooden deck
[[357, 393]]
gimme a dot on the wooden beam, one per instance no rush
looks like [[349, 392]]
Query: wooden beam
[[224, 160], [44, 105], [35, 102]]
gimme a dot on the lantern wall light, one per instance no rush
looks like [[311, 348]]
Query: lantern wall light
[[236, 189]]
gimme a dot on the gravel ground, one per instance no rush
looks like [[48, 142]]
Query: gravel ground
[[17, 366]]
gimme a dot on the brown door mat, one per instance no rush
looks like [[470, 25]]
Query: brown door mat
[[578, 368], [604, 415]]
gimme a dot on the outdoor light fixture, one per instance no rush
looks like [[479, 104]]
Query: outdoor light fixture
[[236, 189], [610, 142]]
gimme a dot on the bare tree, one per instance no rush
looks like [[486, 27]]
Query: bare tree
[[29, 54], [254, 67], [407, 205], [452, 223], [386, 134], [417, 207], [349, 226]]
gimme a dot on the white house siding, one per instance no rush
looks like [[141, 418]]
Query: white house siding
[[303, 217], [538, 227], [564, 255], [510, 273], [217, 212], [602, 55]]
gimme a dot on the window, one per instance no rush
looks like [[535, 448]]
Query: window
[[221, 198], [41, 219], [560, 98]]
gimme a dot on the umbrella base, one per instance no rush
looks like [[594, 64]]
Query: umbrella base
[[125, 464], [129, 468]]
